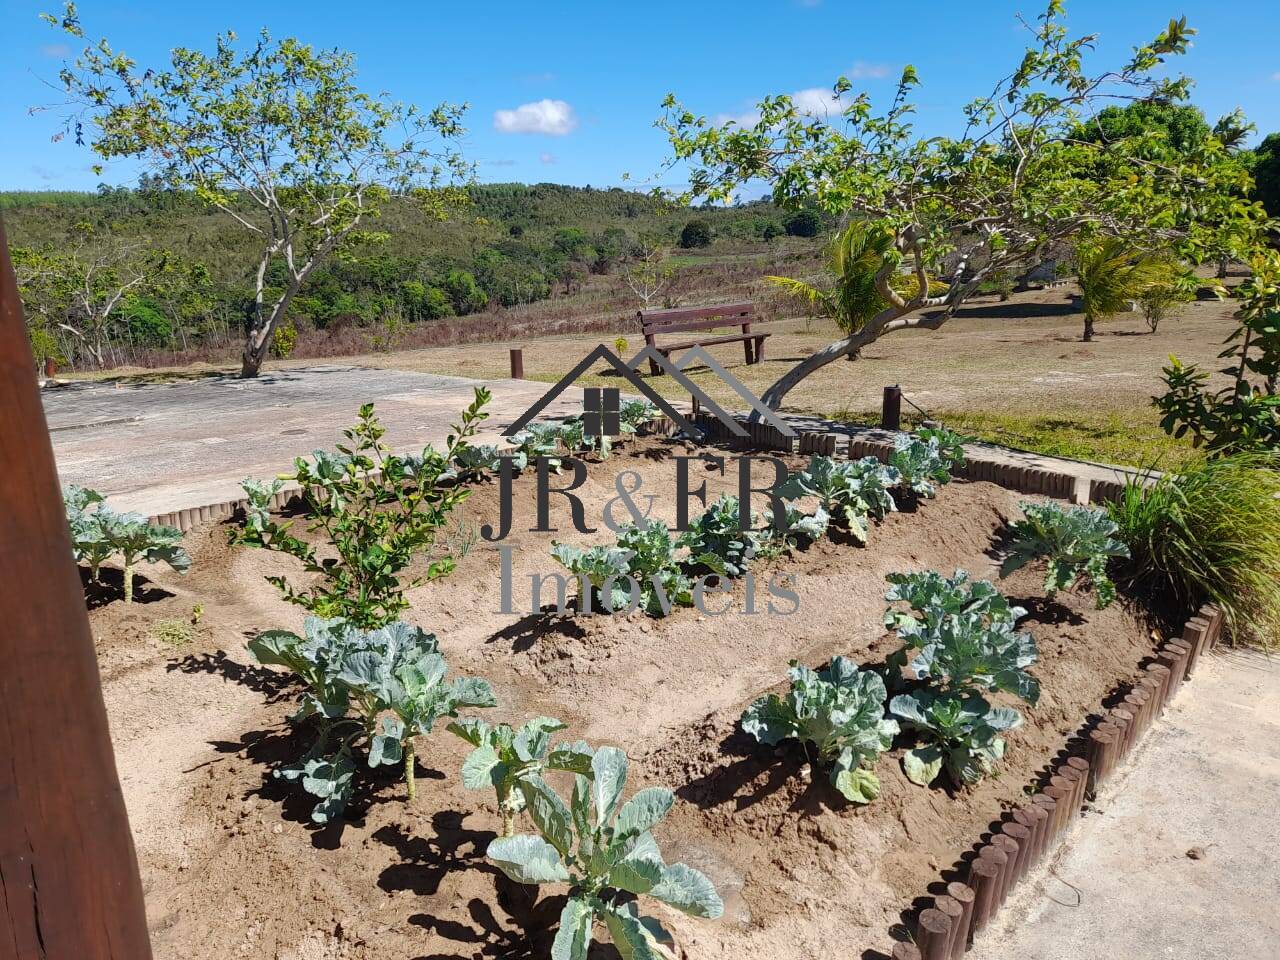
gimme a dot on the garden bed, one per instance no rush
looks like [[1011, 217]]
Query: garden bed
[[234, 867]]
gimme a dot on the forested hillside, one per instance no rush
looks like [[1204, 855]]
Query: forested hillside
[[182, 277]]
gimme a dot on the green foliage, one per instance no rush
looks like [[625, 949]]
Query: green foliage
[[367, 689], [717, 543], [797, 528], [1162, 297], [101, 533], [1078, 543], [1244, 415], [921, 464], [802, 223], [962, 736], [962, 635], [950, 445], [504, 758], [1179, 127], [1111, 275], [284, 340], [378, 511], [1266, 174], [840, 710], [696, 233], [1209, 532], [603, 849], [640, 572], [848, 490]]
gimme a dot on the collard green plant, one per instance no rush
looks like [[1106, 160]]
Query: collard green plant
[[849, 490], [640, 572], [539, 440], [603, 849], [920, 465], [932, 597], [632, 414], [1076, 542], [962, 735], [798, 528], [377, 511], [81, 523], [477, 461], [840, 710], [504, 758], [717, 543], [950, 445], [367, 689]]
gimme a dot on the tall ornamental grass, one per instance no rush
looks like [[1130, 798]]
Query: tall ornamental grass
[[1210, 533]]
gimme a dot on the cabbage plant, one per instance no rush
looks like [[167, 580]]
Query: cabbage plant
[[367, 689], [961, 734], [604, 850], [504, 758], [920, 465], [932, 598], [840, 711], [1077, 543], [717, 542], [476, 461], [137, 540], [950, 445], [848, 490], [81, 521], [644, 557], [538, 440], [797, 527]]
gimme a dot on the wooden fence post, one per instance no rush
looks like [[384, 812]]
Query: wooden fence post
[[69, 883], [517, 363], [891, 408]]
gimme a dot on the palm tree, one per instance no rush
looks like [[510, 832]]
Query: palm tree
[[1111, 276], [856, 255]]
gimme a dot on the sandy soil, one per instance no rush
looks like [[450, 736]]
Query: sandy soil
[[232, 865]]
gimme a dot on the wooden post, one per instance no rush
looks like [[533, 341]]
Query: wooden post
[[517, 363], [891, 408], [69, 883]]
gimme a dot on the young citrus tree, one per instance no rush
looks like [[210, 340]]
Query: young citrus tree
[[277, 136], [1016, 184]]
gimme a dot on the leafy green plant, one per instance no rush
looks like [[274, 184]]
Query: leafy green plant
[[1208, 532], [603, 849], [372, 689], [840, 710], [920, 465], [476, 461], [633, 413], [797, 527], [962, 634], [848, 490], [504, 758], [1111, 275], [77, 501], [962, 735], [377, 511], [641, 569], [1078, 542], [717, 542], [950, 445]]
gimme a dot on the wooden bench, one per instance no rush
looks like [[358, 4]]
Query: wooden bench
[[714, 317]]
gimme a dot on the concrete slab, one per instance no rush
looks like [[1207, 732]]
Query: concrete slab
[[163, 446], [1206, 780]]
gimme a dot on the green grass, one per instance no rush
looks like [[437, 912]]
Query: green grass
[[1135, 441]]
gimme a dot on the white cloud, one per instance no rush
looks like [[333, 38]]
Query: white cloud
[[861, 70], [553, 117], [55, 51], [817, 102], [547, 158]]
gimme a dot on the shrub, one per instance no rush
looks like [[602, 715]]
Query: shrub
[[840, 710], [284, 340], [696, 233], [370, 689], [848, 490], [505, 758], [802, 223], [1209, 532], [603, 850], [1078, 542], [962, 734], [379, 511]]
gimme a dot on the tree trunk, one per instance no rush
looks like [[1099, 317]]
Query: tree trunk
[[1088, 328], [257, 343]]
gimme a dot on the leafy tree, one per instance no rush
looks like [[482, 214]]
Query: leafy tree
[[277, 136], [1111, 276], [696, 233], [802, 223], [1013, 186], [463, 292], [1180, 125], [1266, 174]]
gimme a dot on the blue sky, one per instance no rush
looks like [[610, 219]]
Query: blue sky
[[567, 92]]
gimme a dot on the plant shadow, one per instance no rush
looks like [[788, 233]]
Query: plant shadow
[[526, 632], [109, 587], [274, 685]]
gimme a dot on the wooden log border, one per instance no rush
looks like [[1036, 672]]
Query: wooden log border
[[1023, 836]]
